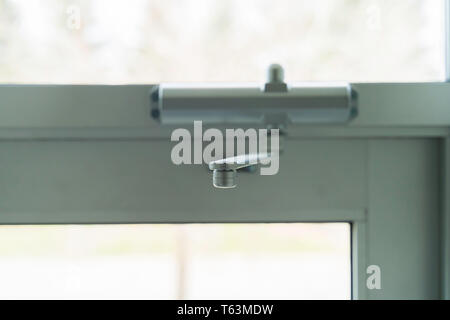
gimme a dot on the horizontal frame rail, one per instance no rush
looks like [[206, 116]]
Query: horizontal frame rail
[[115, 112]]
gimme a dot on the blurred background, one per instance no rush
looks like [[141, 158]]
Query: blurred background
[[218, 261], [151, 41]]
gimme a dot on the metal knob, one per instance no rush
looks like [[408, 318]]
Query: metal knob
[[224, 179], [275, 79]]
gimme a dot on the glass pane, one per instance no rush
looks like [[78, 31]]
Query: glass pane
[[248, 261], [150, 41]]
